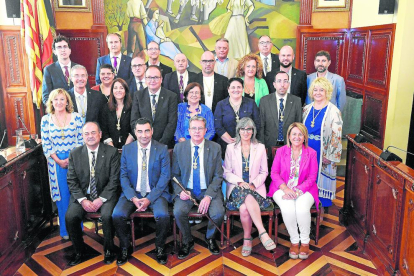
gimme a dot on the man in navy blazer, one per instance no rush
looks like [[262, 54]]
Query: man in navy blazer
[[57, 75], [120, 62], [197, 166], [144, 181]]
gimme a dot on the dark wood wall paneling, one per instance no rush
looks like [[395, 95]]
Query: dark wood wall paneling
[[363, 56]]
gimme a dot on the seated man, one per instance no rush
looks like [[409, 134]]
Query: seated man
[[93, 180], [144, 181], [197, 165]]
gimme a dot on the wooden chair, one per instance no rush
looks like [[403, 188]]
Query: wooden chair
[[94, 217]]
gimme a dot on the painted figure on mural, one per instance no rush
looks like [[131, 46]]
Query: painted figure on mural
[[138, 17]]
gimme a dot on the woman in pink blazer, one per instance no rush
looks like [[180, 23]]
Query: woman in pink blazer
[[294, 187], [245, 171]]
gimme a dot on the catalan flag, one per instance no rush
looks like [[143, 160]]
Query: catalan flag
[[37, 35]]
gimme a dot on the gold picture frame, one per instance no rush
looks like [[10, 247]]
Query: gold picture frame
[[73, 5], [330, 5]]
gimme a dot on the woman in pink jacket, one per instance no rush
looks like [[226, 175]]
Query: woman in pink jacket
[[294, 187], [245, 171]]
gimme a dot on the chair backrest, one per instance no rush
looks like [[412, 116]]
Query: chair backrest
[[274, 149]]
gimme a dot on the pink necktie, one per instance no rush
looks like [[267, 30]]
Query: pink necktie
[[66, 74], [115, 64]]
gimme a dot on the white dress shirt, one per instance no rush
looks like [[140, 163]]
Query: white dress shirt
[[82, 103], [269, 62], [203, 184], [139, 157], [208, 83], [62, 66]]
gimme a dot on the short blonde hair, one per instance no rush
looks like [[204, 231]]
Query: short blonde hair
[[302, 129], [242, 63], [323, 83], [49, 105]]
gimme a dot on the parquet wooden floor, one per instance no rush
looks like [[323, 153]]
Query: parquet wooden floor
[[336, 254]]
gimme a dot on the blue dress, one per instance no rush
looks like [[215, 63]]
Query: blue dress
[[184, 119], [315, 140]]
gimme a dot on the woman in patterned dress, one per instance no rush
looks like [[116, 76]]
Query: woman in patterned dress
[[61, 131]]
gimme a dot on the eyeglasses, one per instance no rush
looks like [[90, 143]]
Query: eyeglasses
[[265, 42], [197, 128], [248, 130], [204, 61], [153, 49], [135, 66], [194, 93], [62, 47], [152, 78]]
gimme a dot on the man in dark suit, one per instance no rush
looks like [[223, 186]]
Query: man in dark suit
[[57, 75], [145, 174], [157, 104], [297, 78], [197, 166], [277, 112], [154, 58], [214, 85], [86, 102], [177, 81], [93, 181], [270, 61], [120, 62], [137, 82]]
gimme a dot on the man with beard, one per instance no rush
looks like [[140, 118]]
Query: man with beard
[[297, 78], [322, 62]]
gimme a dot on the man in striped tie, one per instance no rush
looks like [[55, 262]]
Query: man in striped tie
[[93, 180]]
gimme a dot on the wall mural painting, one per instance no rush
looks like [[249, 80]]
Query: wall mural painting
[[193, 26]]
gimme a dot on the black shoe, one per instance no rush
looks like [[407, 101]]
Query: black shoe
[[76, 259], [161, 256], [212, 246], [185, 250], [109, 257], [123, 257]]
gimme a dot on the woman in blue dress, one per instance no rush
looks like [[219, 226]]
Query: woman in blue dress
[[324, 123], [61, 131], [191, 106], [154, 32]]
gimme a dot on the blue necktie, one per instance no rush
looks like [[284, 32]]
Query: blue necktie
[[281, 114], [196, 172]]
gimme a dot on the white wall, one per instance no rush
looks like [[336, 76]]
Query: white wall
[[3, 15], [365, 13]]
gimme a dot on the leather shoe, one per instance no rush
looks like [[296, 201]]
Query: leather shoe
[[76, 259], [109, 257], [123, 257], [212, 246], [161, 256], [185, 250]]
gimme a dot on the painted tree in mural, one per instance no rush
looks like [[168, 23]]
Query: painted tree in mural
[[115, 14]]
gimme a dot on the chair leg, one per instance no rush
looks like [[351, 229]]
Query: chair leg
[[270, 225], [96, 227], [133, 233], [175, 235], [221, 236], [318, 219], [228, 227], [276, 226]]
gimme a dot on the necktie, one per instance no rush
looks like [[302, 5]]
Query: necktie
[[115, 64], [66, 74], [93, 191], [196, 172], [154, 106], [265, 65], [141, 87], [181, 88], [281, 115], [144, 173]]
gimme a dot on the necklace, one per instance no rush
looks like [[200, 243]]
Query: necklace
[[118, 125], [195, 162], [249, 91], [246, 161], [236, 109], [197, 110], [62, 132], [314, 117], [208, 89]]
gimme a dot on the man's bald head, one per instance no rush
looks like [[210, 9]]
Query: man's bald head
[[180, 63], [207, 63]]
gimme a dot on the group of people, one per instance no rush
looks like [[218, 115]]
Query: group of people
[[222, 124]]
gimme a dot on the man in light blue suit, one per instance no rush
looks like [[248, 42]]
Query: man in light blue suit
[[57, 75], [322, 62], [145, 174], [120, 62]]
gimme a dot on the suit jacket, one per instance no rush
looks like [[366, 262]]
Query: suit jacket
[[269, 118], [53, 78], [94, 105], [298, 85], [164, 69], [233, 167], [106, 172], [132, 85], [275, 67], [170, 82], [231, 68], [124, 71], [165, 121], [308, 171], [213, 170], [108, 121], [159, 171], [220, 88], [338, 93]]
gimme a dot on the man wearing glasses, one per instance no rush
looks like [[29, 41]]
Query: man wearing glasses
[[214, 85], [159, 105], [197, 166], [137, 82], [270, 61], [57, 75], [154, 58]]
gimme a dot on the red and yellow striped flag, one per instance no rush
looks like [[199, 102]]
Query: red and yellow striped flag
[[38, 39]]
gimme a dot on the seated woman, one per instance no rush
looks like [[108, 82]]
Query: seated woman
[[106, 75], [191, 106], [295, 193], [116, 116], [245, 171]]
